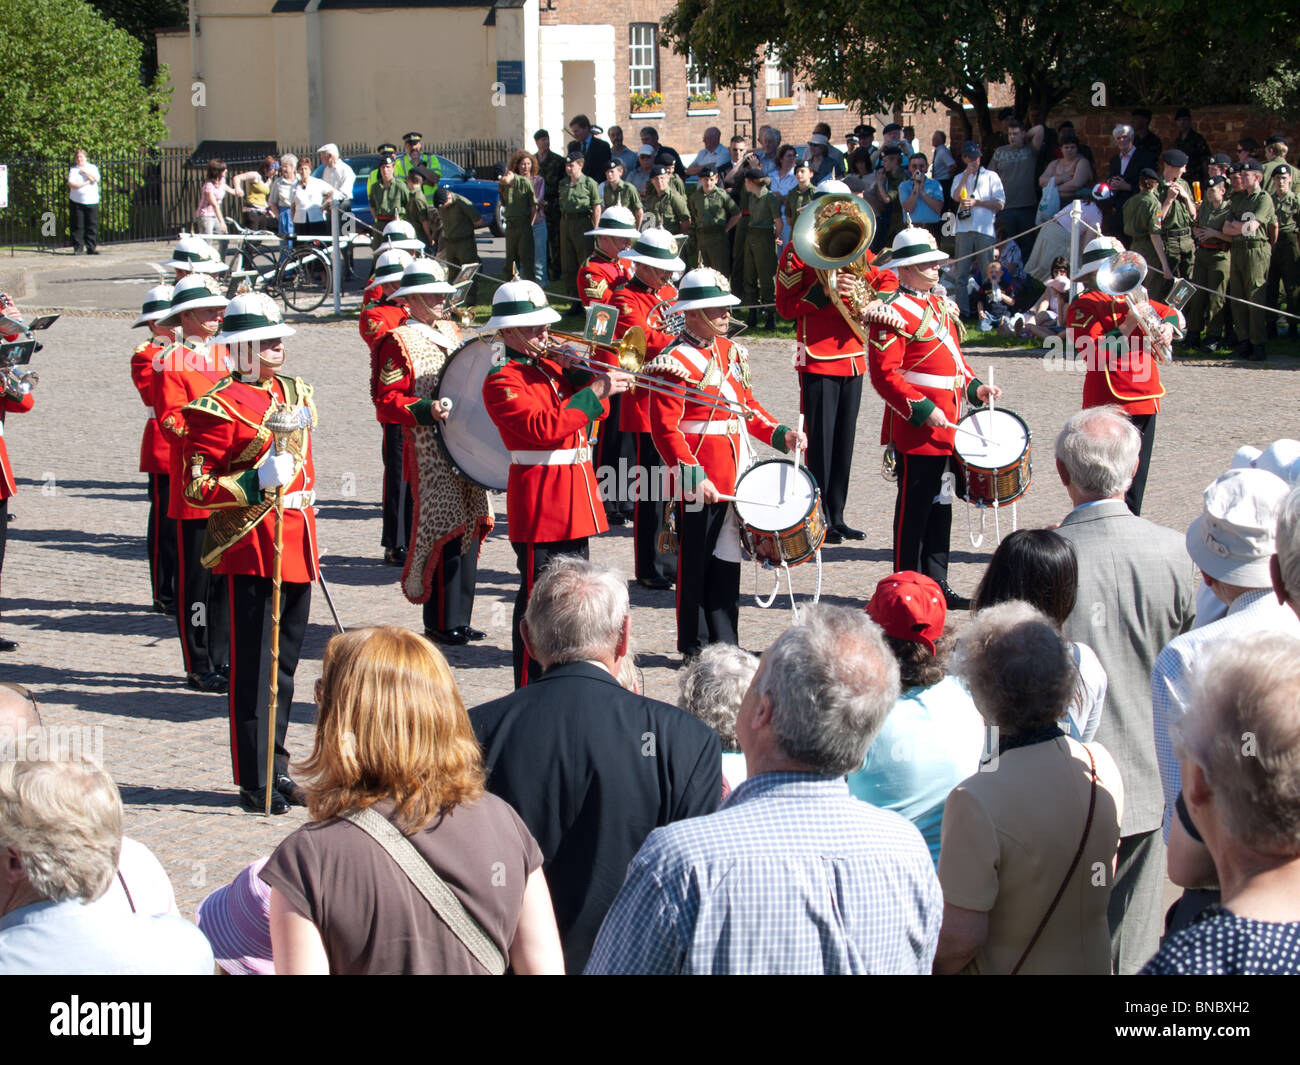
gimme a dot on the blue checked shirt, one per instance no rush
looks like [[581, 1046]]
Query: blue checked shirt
[[791, 875], [1171, 677]]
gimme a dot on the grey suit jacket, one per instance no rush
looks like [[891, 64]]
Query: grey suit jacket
[[1137, 591]]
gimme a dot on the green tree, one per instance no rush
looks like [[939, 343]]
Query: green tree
[[140, 18], [72, 79]]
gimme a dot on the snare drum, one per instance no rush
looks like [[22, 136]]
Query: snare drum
[[468, 437], [997, 471], [788, 527]]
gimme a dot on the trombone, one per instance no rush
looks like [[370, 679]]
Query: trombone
[[629, 353]]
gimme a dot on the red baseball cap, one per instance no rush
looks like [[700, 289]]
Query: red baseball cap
[[909, 606]]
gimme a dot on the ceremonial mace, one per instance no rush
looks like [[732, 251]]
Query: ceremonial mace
[[283, 422]]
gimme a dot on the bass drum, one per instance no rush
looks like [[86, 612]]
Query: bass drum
[[468, 437]]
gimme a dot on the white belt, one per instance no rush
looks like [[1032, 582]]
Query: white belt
[[569, 456], [299, 500], [714, 428], [931, 380]]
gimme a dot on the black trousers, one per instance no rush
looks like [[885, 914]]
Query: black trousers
[[615, 445], [250, 672], [1146, 425], [84, 223], [160, 539], [451, 603], [648, 512], [4, 530], [398, 504], [708, 589], [922, 525], [202, 611], [532, 560], [830, 409]]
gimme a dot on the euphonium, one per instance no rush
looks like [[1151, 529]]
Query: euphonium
[[1121, 277], [833, 233]]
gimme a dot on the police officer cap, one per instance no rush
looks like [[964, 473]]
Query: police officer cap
[[411, 138], [864, 131], [1221, 159], [1174, 157], [387, 148], [1253, 164], [577, 157], [708, 171], [1217, 180], [1148, 174]]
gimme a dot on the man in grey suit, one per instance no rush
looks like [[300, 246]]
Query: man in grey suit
[[1137, 591]]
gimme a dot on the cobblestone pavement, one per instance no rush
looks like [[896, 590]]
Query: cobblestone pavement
[[76, 578]]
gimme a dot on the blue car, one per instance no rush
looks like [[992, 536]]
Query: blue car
[[484, 195]]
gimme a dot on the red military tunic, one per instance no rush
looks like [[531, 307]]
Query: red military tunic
[[919, 369], [705, 440], [392, 389], [1120, 371], [155, 451], [827, 343], [598, 275], [226, 443], [538, 408], [379, 319], [189, 369], [9, 405], [634, 301]]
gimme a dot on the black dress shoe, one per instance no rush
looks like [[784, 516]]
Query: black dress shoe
[[1242, 350], [450, 637], [212, 682], [254, 800], [395, 556], [655, 583], [473, 633], [833, 535], [290, 791], [8, 645], [954, 601], [850, 533], [614, 518]]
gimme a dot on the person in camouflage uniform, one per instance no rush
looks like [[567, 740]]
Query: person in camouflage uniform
[[1142, 225], [760, 247], [713, 214], [387, 197], [615, 192], [1210, 266], [519, 203], [1284, 266], [1253, 220], [579, 211], [1177, 210]]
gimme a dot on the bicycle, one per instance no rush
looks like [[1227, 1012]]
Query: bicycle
[[253, 258]]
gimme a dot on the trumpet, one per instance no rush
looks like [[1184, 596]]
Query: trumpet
[[1123, 277], [17, 381], [629, 355]]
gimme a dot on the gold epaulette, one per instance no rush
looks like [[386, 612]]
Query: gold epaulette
[[142, 347], [208, 405]]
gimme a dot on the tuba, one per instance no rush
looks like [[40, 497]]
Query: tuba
[[831, 234], [1122, 278]]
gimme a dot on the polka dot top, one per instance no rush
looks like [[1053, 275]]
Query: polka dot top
[[1219, 943]]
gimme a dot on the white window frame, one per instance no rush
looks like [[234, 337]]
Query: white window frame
[[643, 57], [696, 83], [774, 76]]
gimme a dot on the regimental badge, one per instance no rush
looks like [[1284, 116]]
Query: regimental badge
[[390, 373], [601, 320], [196, 465], [372, 326]]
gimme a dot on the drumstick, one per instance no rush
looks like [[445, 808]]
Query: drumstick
[[747, 502], [991, 406], [969, 432]]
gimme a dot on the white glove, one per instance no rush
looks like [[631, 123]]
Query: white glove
[[275, 472]]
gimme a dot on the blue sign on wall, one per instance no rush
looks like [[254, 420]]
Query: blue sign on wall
[[510, 72]]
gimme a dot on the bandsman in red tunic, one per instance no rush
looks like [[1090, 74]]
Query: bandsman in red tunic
[[654, 260], [1121, 367], [830, 355], [9, 404], [185, 371], [155, 452], [452, 516], [194, 255], [918, 369], [603, 271], [545, 410], [233, 469], [707, 447], [380, 315]]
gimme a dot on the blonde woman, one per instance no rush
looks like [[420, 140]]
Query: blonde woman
[[392, 735]]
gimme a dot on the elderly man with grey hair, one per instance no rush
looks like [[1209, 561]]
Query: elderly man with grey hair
[[1284, 567], [793, 875], [591, 767], [60, 837], [1125, 165], [1137, 591]]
